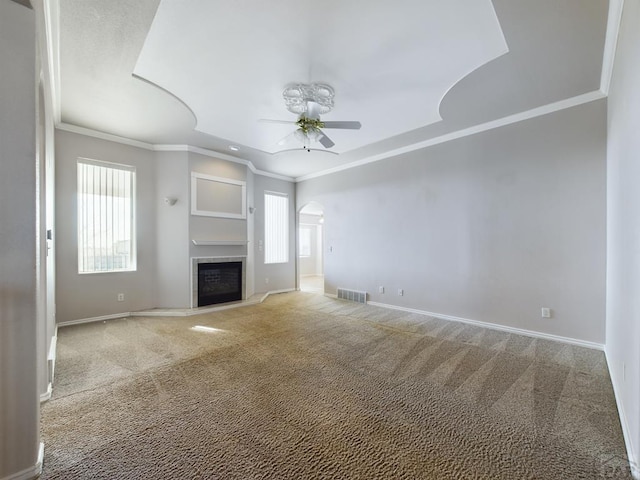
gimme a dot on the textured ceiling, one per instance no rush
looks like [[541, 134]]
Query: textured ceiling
[[203, 72]]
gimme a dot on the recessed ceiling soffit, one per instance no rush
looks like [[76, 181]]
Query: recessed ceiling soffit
[[229, 62]]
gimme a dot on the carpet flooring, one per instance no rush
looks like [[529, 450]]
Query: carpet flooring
[[307, 387]]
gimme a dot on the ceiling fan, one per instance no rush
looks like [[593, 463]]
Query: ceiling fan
[[309, 102]]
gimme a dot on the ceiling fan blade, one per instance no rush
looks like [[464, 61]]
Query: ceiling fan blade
[[324, 140], [287, 139], [268, 120], [344, 125]]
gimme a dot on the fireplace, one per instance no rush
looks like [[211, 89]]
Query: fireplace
[[217, 280]]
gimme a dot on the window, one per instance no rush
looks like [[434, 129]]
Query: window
[[276, 227], [106, 214]]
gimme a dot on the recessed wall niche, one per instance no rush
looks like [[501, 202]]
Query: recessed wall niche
[[218, 197]]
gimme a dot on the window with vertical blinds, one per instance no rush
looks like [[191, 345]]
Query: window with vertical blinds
[[106, 217], [276, 227]]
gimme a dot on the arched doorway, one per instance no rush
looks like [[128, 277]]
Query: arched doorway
[[310, 248]]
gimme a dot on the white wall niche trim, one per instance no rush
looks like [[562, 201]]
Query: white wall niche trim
[[214, 186]]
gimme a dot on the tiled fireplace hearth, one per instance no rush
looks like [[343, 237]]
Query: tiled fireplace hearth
[[217, 280]]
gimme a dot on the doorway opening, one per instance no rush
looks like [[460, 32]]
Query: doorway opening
[[310, 248]]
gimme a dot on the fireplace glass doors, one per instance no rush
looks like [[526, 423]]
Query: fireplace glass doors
[[219, 283]]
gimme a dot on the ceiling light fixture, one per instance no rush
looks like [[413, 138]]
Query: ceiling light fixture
[[309, 101], [234, 148]]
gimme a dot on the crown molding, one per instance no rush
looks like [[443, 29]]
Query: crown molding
[[168, 148], [483, 127], [103, 136], [48, 33], [611, 44]]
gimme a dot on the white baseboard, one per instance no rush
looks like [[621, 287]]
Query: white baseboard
[[275, 292], [40, 461], [182, 312], [51, 358], [31, 472], [93, 319], [51, 366], [634, 460], [46, 395], [494, 326]]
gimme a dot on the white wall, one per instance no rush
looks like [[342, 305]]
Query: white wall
[[491, 227], [93, 295], [19, 392], [623, 226], [279, 276]]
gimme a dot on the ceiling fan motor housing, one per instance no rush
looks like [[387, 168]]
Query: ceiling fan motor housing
[[311, 100]]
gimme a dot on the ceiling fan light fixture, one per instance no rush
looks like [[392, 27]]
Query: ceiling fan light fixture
[[309, 102]]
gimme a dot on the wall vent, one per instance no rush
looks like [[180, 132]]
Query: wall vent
[[352, 295]]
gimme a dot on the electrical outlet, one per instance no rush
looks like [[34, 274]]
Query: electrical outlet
[[121, 297], [546, 312], [380, 289], [266, 280], [400, 292]]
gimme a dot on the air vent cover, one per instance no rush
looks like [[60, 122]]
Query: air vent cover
[[352, 295]]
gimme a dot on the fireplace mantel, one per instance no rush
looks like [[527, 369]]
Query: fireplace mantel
[[202, 243]]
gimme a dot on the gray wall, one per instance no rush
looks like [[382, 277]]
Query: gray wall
[[251, 256], [172, 236], [623, 226], [213, 228], [19, 346], [93, 295], [165, 232], [491, 227], [278, 276]]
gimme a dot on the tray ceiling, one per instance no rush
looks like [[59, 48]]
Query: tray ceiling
[[203, 72]]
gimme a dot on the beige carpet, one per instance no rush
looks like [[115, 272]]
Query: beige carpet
[[307, 387]]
